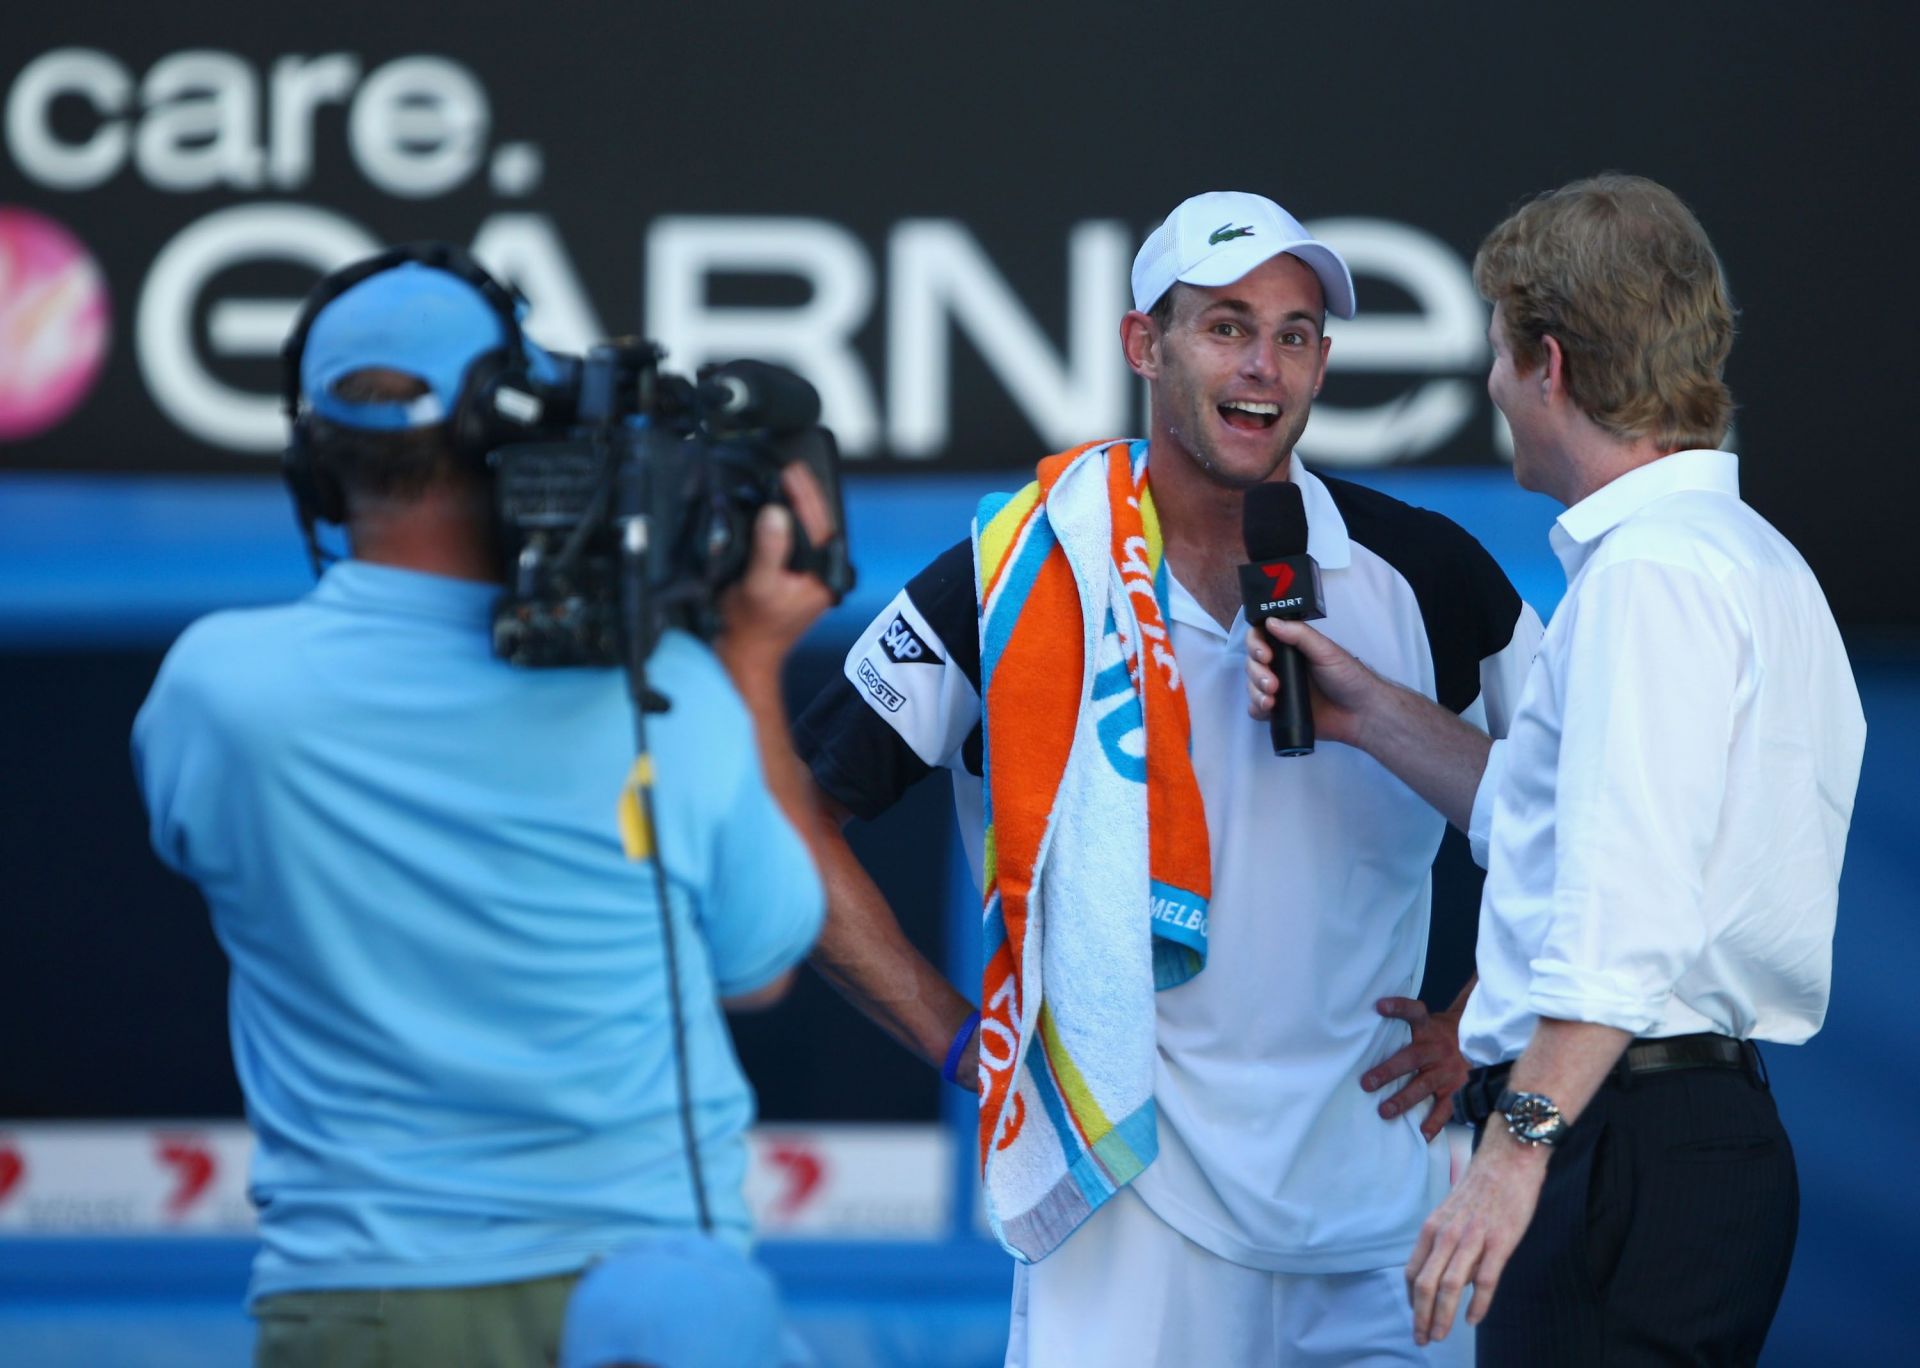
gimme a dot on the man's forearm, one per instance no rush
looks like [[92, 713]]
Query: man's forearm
[[1568, 1061], [765, 614], [1427, 748], [1472, 1234], [1565, 1062], [862, 951], [868, 959]]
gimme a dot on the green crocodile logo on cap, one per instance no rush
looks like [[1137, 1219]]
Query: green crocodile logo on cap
[[1226, 232]]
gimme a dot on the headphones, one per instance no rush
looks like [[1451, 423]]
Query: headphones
[[479, 422]]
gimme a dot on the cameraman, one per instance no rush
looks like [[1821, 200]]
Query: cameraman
[[449, 1000]]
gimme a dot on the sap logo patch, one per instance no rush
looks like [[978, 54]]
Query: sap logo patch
[[904, 646], [883, 693]]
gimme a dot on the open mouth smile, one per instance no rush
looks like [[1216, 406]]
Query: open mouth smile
[[1248, 415]]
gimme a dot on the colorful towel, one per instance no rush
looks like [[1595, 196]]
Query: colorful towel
[[1097, 870]]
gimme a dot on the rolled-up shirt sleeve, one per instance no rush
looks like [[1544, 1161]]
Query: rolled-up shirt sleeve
[[1659, 662]]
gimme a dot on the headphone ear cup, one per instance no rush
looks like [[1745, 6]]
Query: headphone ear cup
[[469, 427], [329, 499], [316, 493], [478, 427]]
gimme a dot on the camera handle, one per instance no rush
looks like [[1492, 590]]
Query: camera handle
[[640, 833]]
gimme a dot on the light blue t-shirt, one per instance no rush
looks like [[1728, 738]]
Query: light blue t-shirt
[[448, 995]]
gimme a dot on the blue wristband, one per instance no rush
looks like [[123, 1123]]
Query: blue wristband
[[958, 1048]]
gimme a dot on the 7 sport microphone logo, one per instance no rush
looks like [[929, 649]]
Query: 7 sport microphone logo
[[1282, 574]]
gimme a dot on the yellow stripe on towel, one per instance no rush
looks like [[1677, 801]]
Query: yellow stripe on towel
[[997, 537], [1081, 1106]]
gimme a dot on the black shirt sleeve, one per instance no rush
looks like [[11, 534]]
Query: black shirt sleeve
[[1468, 606], [908, 700]]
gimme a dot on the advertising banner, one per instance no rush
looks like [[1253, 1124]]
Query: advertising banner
[[190, 1178], [929, 214]]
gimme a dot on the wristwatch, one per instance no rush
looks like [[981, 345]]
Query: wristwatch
[[1531, 1118]]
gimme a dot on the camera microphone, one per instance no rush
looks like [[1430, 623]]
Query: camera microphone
[[1281, 581], [755, 394]]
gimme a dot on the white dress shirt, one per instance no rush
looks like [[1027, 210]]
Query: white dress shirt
[[1663, 827]]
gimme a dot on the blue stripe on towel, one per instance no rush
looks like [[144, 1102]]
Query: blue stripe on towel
[[1179, 916], [1010, 596]]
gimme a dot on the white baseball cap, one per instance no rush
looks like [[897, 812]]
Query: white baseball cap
[[1215, 238]]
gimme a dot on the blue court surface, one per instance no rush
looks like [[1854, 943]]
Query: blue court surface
[[175, 1302]]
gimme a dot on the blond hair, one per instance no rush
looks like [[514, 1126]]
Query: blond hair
[[1622, 276]]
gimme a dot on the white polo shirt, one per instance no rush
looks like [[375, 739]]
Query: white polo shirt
[[1663, 829], [1271, 1154]]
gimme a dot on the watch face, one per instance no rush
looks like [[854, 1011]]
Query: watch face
[[1533, 1118]]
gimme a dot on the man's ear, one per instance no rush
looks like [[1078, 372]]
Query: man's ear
[[1140, 341], [1553, 367]]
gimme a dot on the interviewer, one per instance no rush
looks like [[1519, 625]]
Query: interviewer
[[1662, 828]]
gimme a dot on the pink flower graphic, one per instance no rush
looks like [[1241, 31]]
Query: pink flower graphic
[[54, 323]]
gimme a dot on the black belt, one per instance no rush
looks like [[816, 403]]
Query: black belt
[[1476, 1100]]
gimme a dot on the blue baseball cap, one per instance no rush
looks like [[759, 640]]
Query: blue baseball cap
[[675, 1300], [412, 318]]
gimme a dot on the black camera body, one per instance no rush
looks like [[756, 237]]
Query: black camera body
[[624, 495], [639, 512]]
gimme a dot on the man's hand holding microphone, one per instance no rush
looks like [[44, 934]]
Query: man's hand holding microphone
[[1342, 691], [1439, 756], [1434, 753]]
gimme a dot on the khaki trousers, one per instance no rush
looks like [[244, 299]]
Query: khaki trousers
[[500, 1325]]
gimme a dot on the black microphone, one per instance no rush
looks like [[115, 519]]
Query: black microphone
[[756, 394], [1281, 581]]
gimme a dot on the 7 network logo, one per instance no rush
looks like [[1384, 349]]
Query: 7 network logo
[[1282, 575]]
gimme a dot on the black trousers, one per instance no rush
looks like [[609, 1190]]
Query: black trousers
[[1663, 1235]]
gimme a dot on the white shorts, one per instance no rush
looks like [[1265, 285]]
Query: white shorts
[[1127, 1290]]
